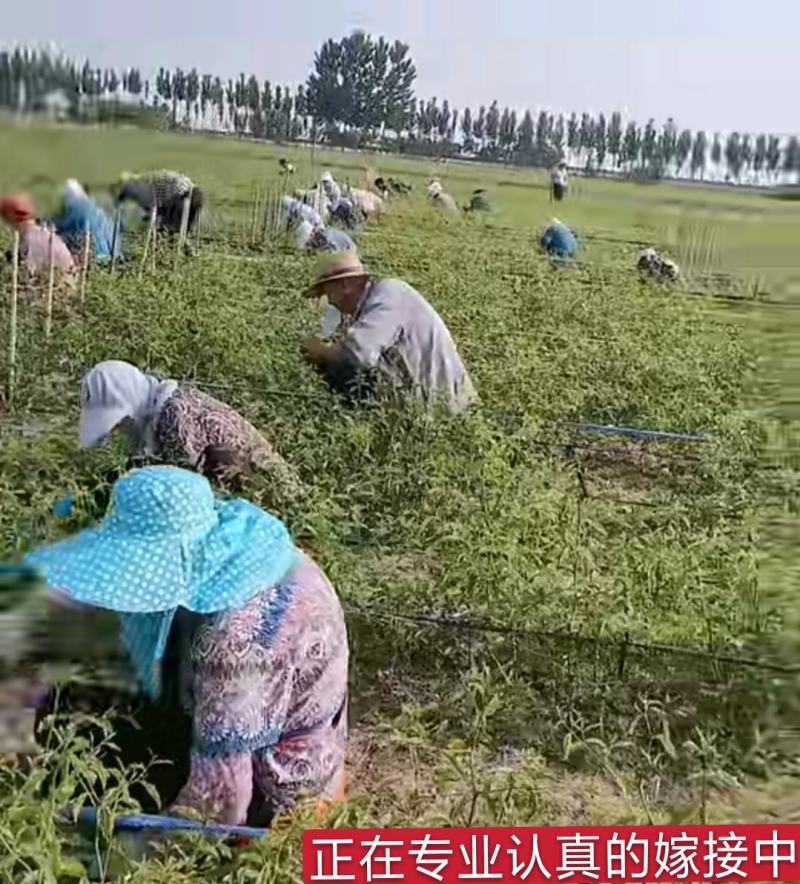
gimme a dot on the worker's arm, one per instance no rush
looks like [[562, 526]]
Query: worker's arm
[[137, 191], [334, 362]]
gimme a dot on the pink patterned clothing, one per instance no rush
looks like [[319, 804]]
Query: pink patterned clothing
[[191, 421], [269, 700], [35, 252]]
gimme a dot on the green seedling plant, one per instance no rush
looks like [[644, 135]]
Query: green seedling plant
[[580, 553]]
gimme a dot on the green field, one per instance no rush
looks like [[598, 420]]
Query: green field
[[601, 547]]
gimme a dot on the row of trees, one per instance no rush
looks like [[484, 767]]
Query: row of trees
[[362, 90]]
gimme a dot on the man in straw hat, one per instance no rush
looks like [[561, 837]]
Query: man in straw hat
[[395, 335]]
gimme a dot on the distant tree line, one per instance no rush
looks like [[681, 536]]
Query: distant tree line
[[361, 93]]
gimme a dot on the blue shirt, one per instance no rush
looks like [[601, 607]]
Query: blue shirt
[[81, 214], [560, 241]]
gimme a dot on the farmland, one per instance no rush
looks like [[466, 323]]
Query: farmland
[[587, 556]]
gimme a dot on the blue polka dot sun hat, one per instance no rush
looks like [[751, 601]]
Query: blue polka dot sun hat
[[166, 543]]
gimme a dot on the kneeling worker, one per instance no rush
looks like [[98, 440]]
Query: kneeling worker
[[657, 266], [395, 335]]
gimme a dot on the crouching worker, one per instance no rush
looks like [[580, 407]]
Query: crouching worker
[[223, 619], [439, 198], [329, 239], [347, 213], [657, 267], [479, 202], [395, 337], [559, 242], [319, 238]]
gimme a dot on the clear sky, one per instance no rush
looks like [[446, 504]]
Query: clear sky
[[716, 64]]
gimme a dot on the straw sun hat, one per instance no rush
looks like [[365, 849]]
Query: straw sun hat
[[339, 265]]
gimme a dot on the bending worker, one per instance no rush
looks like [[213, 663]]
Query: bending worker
[[395, 336], [224, 620], [166, 191], [80, 214], [180, 425], [559, 241]]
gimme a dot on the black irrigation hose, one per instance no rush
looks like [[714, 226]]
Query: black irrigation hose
[[465, 625]]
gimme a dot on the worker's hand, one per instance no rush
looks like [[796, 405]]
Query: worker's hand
[[314, 350], [286, 821]]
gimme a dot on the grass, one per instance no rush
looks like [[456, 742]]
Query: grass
[[508, 516]]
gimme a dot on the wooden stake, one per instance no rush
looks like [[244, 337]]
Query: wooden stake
[[12, 339], [154, 243], [87, 240], [268, 219], [256, 207], [277, 199], [197, 229], [277, 211], [262, 220], [270, 214], [115, 237], [253, 204], [187, 200], [51, 278], [150, 234]]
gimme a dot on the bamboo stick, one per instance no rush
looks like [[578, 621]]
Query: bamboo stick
[[87, 239], [12, 338], [51, 278]]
